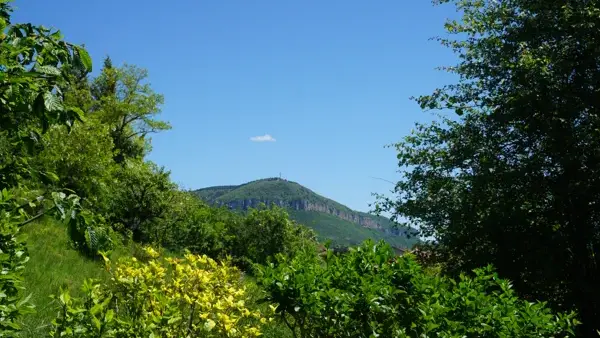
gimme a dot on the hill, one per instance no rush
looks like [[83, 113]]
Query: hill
[[330, 219]]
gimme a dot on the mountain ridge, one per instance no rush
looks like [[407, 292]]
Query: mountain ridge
[[306, 205]]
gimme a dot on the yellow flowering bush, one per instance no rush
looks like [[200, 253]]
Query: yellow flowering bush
[[193, 296]]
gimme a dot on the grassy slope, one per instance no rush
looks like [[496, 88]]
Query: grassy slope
[[342, 232], [54, 264]]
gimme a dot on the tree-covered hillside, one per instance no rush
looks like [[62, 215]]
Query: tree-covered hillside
[[330, 219]]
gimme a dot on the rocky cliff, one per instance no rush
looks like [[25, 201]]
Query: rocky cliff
[[355, 217]]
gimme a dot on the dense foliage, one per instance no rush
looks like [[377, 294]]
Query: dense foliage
[[189, 297], [513, 179], [369, 292], [32, 65], [264, 233], [497, 186]]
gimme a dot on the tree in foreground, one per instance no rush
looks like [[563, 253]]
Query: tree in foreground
[[33, 63], [513, 179]]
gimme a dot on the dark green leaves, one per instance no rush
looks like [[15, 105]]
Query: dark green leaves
[[520, 155]]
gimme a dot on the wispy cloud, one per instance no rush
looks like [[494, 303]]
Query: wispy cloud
[[263, 138]]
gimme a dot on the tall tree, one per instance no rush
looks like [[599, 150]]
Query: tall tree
[[127, 102], [105, 85], [514, 178]]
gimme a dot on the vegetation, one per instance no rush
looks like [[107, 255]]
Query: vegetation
[[511, 182], [265, 233], [345, 233], [55, 265], [191, 297], [512, 179], [370, 292], [326, 223]]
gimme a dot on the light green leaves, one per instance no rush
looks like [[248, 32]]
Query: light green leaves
[[371, 290], [48, 70], [52, 102]]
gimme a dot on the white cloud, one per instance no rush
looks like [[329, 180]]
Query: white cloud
[[263, 138]]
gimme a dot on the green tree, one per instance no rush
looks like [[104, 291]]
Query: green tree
[[267, 231], [33, 65], [514, 179], [141, 196], [126, 102], [105, 85], [82, 160], [191, 224]]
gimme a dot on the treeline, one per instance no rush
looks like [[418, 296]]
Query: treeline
[[74, 147]]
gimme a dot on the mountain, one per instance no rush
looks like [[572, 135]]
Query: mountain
[[330, 219]]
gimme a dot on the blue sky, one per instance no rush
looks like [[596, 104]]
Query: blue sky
[[330, 81]]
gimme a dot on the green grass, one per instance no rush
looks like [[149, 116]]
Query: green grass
[[54, 264]]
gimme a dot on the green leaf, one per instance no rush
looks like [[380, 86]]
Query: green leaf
[[52, 103], [85, 58], [77, 112], [96, 322], [48, 70], [110, 314]]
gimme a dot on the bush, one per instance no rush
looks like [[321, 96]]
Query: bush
[[82, 160], [191, 224], [140, 198], [369, 292], [90, 234], [191, 297], [13, 258], [265, 232]]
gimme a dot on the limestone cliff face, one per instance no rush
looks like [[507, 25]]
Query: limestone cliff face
[[308, 206]]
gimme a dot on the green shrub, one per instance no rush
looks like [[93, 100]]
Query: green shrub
[[369, 292], [265, 232], [13, 256], [82, 159], [140, 198], [191, 224], [32, 62], [90, 234], [190, 297]]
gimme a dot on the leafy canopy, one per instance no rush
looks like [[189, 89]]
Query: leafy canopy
[[513, 179]]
